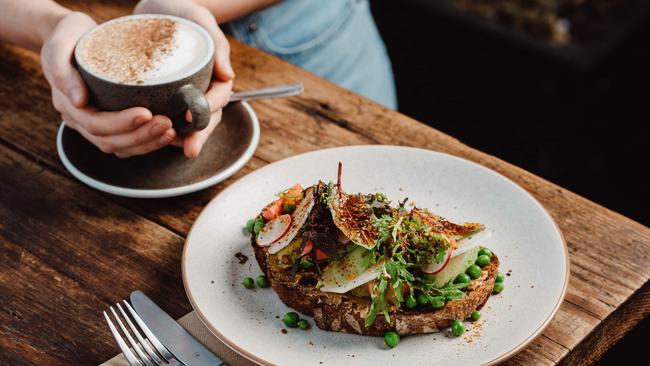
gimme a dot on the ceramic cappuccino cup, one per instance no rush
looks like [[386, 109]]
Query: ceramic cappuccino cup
[[160, 62]]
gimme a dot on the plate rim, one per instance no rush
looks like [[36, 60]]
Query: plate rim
[[251, 357], [164, 192]]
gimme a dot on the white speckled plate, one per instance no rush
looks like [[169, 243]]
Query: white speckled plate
[[525, 238]]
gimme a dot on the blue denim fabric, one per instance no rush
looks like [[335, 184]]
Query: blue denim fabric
[[335, 39]]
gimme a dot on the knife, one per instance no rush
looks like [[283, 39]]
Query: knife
[[176, 339]]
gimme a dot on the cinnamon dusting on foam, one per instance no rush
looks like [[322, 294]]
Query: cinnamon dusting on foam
[[126, 50]]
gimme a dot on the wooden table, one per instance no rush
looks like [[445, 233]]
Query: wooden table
[[68, 251]]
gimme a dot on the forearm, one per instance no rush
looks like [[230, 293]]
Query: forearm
[[28, 23], [227, 10]]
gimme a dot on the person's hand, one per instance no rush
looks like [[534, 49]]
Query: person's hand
[[220, 88], [133, 131]]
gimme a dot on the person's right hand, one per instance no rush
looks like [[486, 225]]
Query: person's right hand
[[133, 131]]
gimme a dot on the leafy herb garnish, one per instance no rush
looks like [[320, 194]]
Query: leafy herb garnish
[[404, 243]]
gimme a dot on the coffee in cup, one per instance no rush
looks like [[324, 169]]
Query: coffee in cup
[[159, 62]]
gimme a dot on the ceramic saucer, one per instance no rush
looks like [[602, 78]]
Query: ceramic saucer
[[166, 172]]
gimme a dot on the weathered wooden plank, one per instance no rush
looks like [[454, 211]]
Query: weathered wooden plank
[[542, 351], [47, 318], [608, 332], [570, 325], [67, 253]]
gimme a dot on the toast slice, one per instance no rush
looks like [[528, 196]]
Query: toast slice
[[346, 313]]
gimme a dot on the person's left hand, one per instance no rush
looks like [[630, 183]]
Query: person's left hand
[[218, 93]]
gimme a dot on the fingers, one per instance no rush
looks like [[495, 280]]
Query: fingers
[[218, 95], [101, 123], [151, 136], [57, 57], [66, 78], [222, 66], [149, 146], [193, 143], [144, 134]]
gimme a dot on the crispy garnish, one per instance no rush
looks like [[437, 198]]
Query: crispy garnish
[[441, 225], [353, 215]]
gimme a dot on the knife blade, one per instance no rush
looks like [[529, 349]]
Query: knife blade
[[177, 340]]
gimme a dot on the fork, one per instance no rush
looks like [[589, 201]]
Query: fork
[[146, 356]]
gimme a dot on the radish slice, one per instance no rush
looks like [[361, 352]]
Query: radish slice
[[361, 279], [472, 241], [274, 230], [464, 245], [435, 268], [299, 217]]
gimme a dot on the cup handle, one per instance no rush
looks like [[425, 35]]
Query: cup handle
[[194, 100]]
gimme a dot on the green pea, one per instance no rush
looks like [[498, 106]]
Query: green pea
[[498, 287], [391, 338], [259, 223], [500, 278], [476, 315], [462, 278], [422, 299], [483, 260], [249, 225], [457, 328], [411, 302], [485, 251], [288, 208], [437, 302], [262, 281], [303, 324], [474, 271], [290, 319], [248, 283]]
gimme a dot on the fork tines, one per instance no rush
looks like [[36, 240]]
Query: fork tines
[[144, 354]]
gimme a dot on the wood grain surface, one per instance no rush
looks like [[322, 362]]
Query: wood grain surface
[[68, 252]]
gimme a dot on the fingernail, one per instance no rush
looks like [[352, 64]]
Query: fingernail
[[159, 128], [76, 96], [140, 120]]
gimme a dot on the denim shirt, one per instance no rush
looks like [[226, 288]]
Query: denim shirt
[[335, 39]]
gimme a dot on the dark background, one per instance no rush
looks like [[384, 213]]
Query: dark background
[[583, 127]]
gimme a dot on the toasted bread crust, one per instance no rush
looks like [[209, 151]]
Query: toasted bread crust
[[346, 313]]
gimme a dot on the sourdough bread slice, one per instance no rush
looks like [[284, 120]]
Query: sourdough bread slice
[[346, 313]]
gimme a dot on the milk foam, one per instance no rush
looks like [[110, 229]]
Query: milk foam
[[188, 53], [135, 50]]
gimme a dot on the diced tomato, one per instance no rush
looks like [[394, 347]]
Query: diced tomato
[[320, 255], [273, 210], [308, 248], [290, 197]]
